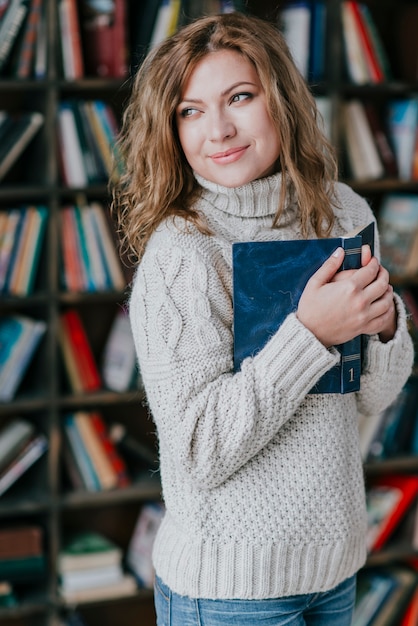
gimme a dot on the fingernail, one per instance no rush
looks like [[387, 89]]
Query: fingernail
[[338, 252]]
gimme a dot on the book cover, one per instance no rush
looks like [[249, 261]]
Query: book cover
[[20, 541], [70, 153], [381, 139], [8, 242], [389, 497], [317, 41], [356, 65], [268, 280], [119, 357], [139, 552]]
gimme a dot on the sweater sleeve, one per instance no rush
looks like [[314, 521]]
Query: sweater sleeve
[[211, 420]]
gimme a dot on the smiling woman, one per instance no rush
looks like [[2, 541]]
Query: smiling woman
[[262, 481], [225, 128]]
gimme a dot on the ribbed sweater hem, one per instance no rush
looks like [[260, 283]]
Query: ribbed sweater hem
[[243, 570]]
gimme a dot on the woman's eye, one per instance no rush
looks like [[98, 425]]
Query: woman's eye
[[239, 97], [188, 112]]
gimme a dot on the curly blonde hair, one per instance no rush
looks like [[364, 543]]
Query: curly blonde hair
[[157, 180]]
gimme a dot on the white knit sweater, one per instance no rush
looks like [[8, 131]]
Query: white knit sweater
[[263, 483]]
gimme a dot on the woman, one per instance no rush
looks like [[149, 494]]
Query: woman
[[265, 506]]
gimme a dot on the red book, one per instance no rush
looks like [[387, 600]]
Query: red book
[[83, 354], [411, 616], [388, 499], [375, 70], [105, 41], [112, 453]]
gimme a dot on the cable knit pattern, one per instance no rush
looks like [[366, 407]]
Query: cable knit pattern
[[262, 481]]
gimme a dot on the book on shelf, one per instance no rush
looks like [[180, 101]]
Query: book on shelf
[[8, 597], [366, 60], [79, 360], [295, 22], [139, 552], [317, 41], [27, 49], [71, 46], [14, 435], [19, 338], [166, 21], [16, 132], [402, 117], [25, 458], [383, 595], [382, 141], [99, 465], [70, 153], [105, 38], [20, 249], [362, 153], [10, 27], [268, 280], [388, 497], [392, 432], [398, 227], [90, 567], [410, 617], [78, 462], [119, 363], [20, 541]]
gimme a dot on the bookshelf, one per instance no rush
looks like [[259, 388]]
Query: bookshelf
[[44, 495]]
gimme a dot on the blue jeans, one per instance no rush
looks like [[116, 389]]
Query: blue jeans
[[330, 608]]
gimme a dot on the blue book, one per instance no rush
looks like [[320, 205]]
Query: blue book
[[268, 280]]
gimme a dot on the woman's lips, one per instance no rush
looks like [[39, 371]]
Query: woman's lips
[[229, 156]]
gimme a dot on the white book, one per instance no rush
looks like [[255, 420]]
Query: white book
[[356, 61], [71, 153], [362, 152], [119, 356], [296, 24]]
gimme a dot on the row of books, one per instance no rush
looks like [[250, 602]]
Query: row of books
[[21, 238], [89, 257], [304, 27], [91, 565], [21, 445], [23, 50], [92, 459], [366, 59], [87, 131], [381, 143], [387, 596], [117, 369]]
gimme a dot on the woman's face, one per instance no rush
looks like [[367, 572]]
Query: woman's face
[[225, 129]]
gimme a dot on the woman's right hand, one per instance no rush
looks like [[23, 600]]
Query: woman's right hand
[[337, 306]]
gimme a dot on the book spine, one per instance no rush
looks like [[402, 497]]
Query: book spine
[[93, 445], [115, 459], [372, 62], [27, 51], [10, 27], [23, 462], [84, 462], [81, 347]]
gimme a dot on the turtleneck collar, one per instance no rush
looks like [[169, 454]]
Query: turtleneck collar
[[259, 198]]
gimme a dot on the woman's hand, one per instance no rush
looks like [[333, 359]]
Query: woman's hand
[[337, 306]]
